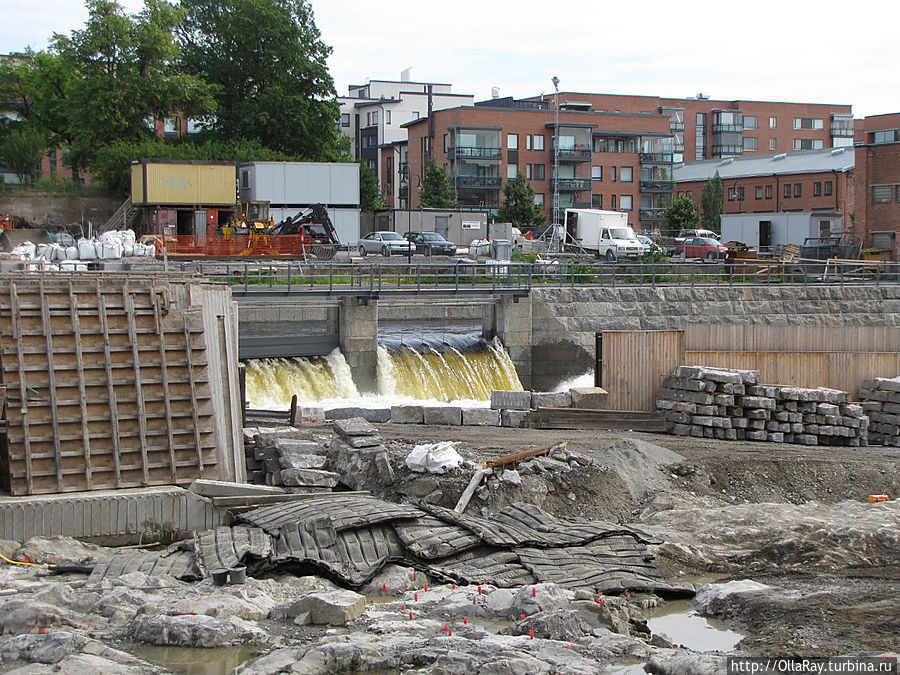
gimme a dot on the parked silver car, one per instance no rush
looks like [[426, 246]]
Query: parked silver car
[[384, 243]]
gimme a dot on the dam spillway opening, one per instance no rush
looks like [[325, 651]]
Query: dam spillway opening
[[429, 368]]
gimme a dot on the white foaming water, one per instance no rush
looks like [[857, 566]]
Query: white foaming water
[[586, 380]]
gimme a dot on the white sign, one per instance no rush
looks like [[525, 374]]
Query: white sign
[[471, 224]]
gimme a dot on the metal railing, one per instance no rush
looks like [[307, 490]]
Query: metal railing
[[489, 277]]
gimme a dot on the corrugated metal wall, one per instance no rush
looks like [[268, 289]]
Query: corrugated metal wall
[[634, 364]]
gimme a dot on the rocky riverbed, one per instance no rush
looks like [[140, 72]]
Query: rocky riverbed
[[782, 546]]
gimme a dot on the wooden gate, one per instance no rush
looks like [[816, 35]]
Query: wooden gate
[[634, 363], [107, 384]]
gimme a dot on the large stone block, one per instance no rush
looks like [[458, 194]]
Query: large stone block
[[550, 399], [510, 400], [309, 478], [487, 417], [407, 414], [514, 418], [593, 398], [330, 608], [444, 415], [368, 414]]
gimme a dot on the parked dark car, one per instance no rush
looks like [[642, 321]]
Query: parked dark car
[[702, 247], [431, 243]]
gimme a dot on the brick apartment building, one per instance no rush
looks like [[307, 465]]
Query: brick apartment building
[[706, 129], [607, 160], [877, 178]]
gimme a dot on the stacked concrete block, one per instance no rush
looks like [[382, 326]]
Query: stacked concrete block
[[288, 457], [880, 399], [732, 405], [358, 456]]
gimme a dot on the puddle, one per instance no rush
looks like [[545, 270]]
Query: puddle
[[196, 661], [685, 627]]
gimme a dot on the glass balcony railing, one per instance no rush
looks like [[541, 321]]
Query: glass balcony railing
[[842, 130], [475, 152], [676, 126], [574, 154], [727, 150], [661, 186], [571, 184], [477, 182], [652, 214], [656, 158], [727, 128]]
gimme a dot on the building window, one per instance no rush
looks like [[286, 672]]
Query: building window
[[881, 194], [751, 122], [387, 116], [512, 141], [626, 174], [539, 198], [886, 136], [773, 144], [787, 190], [808, 123], [245, 179], [750, 142], [736, 193], [539, 142], [817, 189], [528, 142], [368, 119], [415, 114], [700, 146], [597, 172], [808, 144], [625, 202], [829, 188], [528, 171], [798, 190], [538, 172], [345, 119], [773, 122], [375, 117], [596, 201], [170, 126], [768, 192], [612, 202], [759, 192], [612, 174], [512, 170]]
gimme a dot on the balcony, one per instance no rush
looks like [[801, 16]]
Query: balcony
[[657, 186], [676, 126], [842, 130], [727, 150], [574, 154], [571, 184], [477, 182], [652, 214], [474, 152], [728, 128], [656, 158]]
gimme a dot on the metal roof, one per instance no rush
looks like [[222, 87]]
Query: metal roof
[[808, 161]]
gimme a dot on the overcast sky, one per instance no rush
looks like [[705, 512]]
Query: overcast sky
[[826, 52]]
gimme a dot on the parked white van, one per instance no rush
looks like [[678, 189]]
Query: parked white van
[[604, 232]]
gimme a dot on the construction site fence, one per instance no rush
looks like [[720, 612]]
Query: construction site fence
[[500, 277], [228, 246]]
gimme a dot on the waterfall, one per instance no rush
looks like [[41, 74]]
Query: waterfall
[[426, 370]]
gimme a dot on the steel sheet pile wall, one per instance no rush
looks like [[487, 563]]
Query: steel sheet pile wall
[[732, 405], [107, 382]]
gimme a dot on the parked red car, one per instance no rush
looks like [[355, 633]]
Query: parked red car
[[702, 247]]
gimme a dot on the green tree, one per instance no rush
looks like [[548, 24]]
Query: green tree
[[518, 206], [370, 197], [267, 63], [22, 149], [437, 188], [712, 203], [682, 215]]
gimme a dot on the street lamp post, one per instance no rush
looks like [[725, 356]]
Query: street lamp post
[[406, 178]]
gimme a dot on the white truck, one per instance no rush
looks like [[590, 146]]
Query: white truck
[[606, 233]]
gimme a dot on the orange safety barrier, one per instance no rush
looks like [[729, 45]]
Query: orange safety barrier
[[234, 245]]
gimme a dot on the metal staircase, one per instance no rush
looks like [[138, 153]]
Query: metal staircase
[[123, 218]]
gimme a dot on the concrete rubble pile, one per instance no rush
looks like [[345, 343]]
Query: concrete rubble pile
[[732, 405], [349, 538], [880, 399]]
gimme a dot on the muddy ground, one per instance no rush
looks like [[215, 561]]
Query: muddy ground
[[780, 541], [791, 517]]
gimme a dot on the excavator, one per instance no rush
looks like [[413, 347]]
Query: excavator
[[311, 232]]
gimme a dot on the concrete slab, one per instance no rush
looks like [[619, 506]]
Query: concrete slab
[[480, 417], [448, 415]]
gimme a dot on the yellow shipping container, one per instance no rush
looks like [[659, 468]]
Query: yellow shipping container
[[184, 183]]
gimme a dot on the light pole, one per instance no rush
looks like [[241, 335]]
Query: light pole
[[406, 178], [555, 81]]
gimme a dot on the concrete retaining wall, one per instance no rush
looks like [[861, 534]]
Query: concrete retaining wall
[[51, 211]]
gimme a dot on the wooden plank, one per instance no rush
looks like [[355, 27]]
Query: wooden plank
[[164, 368], [579, 418], [110, 387], [51, 373], [634, 364], [129, 311], [82, 398], [23, 387], [188, 350]]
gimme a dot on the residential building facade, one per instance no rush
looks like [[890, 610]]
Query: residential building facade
[[703, 128], [373, 116], [614, 161], [877, 178]]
